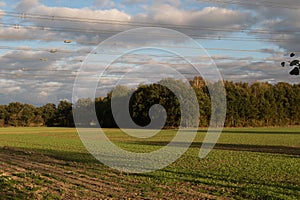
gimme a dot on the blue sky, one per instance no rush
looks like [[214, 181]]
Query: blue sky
[[247, 40]]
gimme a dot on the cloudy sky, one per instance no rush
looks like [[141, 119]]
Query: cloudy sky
[[45, 43]]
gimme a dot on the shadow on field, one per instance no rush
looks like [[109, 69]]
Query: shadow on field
[[219, 180], [71, 175], [260, 132], [241, 131], [233, 147], [58, 155]]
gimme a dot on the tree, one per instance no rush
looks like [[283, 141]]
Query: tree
[[14, 110], [104, 113], [259, 104], [84, 109], [27, 115], [64, 114], [148, 95], [282, 103], [3, 115], [232, 114], [203, 98], [180, 107], [48, 113]]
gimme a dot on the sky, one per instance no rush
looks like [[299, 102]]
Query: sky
[[44, 44]]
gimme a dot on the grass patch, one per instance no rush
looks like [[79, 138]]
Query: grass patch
[[247, 163]]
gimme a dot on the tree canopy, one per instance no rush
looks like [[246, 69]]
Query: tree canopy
[[257, 104]]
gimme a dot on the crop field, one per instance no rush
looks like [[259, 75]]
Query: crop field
[[246, 163]]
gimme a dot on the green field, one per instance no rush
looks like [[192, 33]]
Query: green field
[[247, 163]]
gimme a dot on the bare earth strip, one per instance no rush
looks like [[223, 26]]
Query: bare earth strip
[[39, 176]]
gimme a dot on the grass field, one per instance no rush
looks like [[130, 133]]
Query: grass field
[[247, 163]]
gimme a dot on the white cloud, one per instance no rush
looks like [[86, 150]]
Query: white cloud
[[83, 25], [209, 16], [43, 94], [8, 86], [278, 19], [197, 22], [285, 29], [25, 5], [83, 14], [131, 2], [50, 76], [104, 3], [159, 14], [2, 4], [1, 14]]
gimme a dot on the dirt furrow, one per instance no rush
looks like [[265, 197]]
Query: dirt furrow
[[9, 168], [72, 180], [65, 176]]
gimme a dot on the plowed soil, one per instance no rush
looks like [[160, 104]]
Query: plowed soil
[[31, 175]]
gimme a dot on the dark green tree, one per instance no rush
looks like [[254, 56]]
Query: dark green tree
[[14, 112], [27, 115], [48, 112], [64, 114], [3, 115]]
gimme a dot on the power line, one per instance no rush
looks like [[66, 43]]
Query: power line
[[22, 71], [216, 38], [268, 4], [105, 34], [109, 32], [58, 73], [38, 49], [99, 61], [144, 35], [24, 16], [118, 53]]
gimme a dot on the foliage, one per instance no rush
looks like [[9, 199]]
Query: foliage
[[24, 115], [258, 104], [148, 95]]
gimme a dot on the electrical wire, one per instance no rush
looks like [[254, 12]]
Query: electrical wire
[[24, 70], [118, 53], [107, 33], [23, 16], [268, 4]]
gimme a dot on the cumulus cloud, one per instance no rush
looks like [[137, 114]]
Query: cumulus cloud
[[131, 2], [285, 28], [207, 17], [2, 4], [104, 3], [25, 5], [8, 86], [278, 20], [85, 25], [44, 70], [111, 21], [206, 21], [86, 16], [253, 71], [26, 73], [1, 14]]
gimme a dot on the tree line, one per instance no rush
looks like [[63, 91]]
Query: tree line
[[24, 115], [257, 104]]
